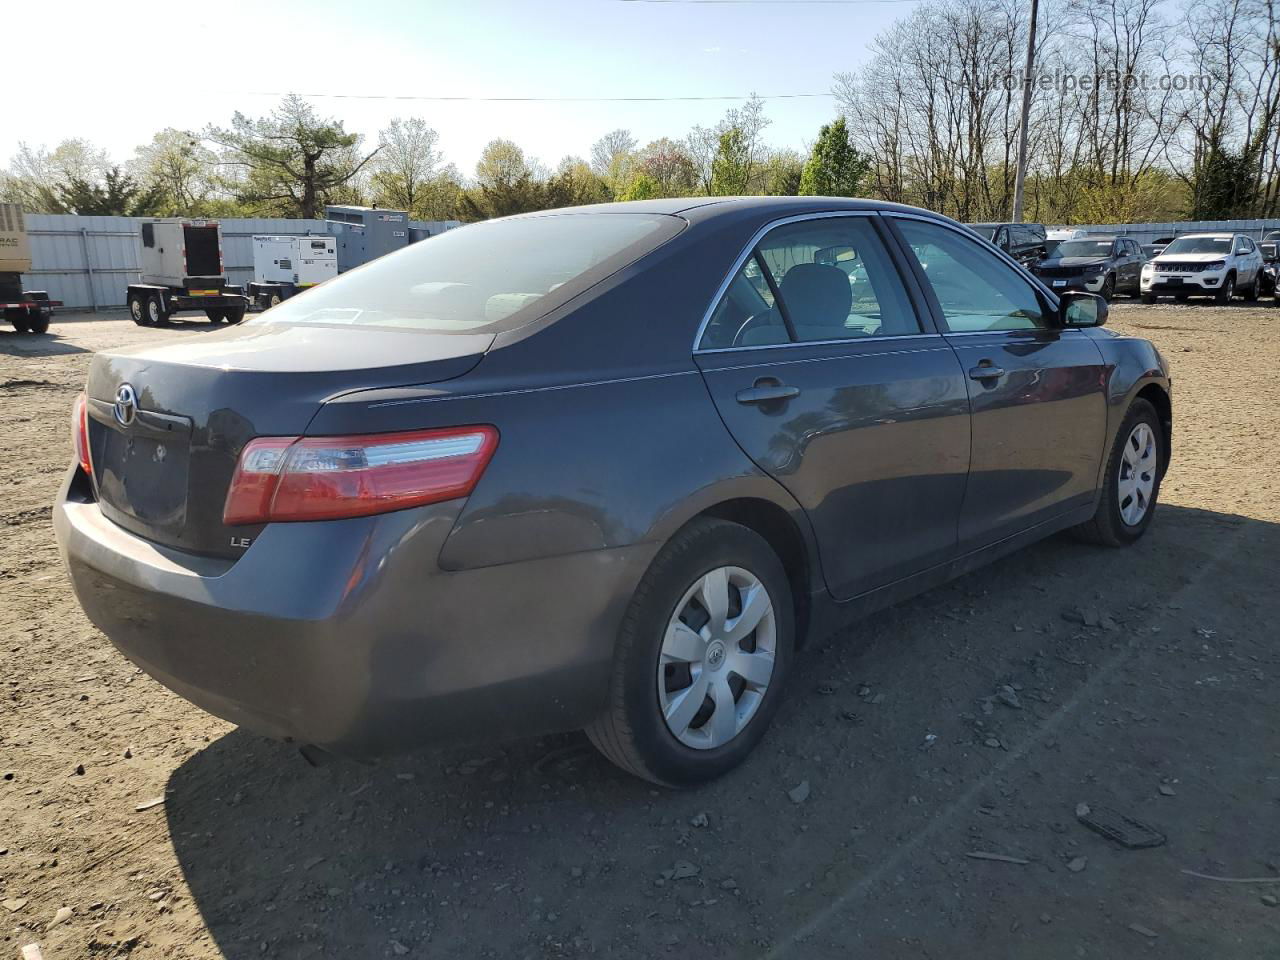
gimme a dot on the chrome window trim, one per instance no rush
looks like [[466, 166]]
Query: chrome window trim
[[878, 338], [742, 259]]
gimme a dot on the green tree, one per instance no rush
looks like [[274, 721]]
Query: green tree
[[642, 187], [834, 168], [118, 195], [406, 164], [288, 163], [35, 175], [505, 184], [181, 172], [573, 184], [782, 173], [731, 165]]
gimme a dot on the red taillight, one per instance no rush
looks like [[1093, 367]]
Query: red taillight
[[80, 432], [324, 478]]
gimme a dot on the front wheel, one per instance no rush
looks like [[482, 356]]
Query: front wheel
[[1227, 290], [1109, 288], [1148, 298], [701, 659], [1131, 484]]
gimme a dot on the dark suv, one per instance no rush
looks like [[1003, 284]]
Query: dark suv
[[1105, 265], [1025, 242]]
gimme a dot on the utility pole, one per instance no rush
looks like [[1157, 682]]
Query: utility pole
[[1028, 79]]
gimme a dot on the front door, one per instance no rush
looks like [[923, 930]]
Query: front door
[[820, 367], [1037, 391]]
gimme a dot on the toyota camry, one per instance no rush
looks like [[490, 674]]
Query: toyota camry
[[603, 468]]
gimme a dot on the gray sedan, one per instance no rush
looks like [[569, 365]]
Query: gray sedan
[[603, 468]]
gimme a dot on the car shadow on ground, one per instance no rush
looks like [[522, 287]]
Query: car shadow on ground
[[37, 344], [541, 848]]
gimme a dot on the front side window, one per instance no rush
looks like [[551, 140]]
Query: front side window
[[833, 279], [483, 278], [977, 292]]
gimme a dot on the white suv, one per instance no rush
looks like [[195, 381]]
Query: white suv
[[1204, 264]]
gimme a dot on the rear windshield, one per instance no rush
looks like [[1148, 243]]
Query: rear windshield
[[484, 278], [1200, 245]]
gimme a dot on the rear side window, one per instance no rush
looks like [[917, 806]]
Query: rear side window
[[977, 291], [820, 280], [486, 277]]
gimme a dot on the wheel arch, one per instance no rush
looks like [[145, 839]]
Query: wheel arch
[[1158, 397], [779, 529]]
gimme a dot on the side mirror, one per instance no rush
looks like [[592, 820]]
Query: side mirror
[[1082, 310]]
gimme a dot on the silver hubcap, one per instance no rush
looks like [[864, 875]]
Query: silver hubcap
[[717, 658], [153, 311], [1137, 474], [135, 307]]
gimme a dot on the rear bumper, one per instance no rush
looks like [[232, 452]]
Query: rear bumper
[[345, 634]]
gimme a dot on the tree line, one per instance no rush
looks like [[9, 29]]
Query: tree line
[[1140, 111]]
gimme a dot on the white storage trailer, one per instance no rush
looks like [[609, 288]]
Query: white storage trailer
[[181, 267], [28, 310], [284, 266]]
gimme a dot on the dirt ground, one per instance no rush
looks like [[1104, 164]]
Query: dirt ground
[[1145, 681]]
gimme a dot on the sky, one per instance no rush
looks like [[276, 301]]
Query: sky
[[115, 75]]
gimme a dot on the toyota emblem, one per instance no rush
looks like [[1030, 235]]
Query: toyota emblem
[[126, 406]]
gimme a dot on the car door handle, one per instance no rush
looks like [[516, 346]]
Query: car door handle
[[986, 371], [767, 392]]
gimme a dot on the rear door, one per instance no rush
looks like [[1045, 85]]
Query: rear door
[[820, 365], [1037, 391]]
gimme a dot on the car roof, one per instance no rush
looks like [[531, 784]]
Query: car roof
[[707, 208], [1215, 235]]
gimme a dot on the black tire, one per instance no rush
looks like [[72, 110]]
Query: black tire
[[215, 315], [156, 315], [38, 322], [1227, 290], [1250, 294], [1149, 298], [21, 324], [233, 314], [138, 309], [631, 731], [1109, 288], [1107, 527]]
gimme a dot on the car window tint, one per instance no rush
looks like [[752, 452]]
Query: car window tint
[[746, 315], [976, 290], [836, 280]]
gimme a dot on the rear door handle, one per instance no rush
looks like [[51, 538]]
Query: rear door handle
[[986, 371], [765, 392]]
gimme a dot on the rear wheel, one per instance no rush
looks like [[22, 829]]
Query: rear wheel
[[38, 322], [155, 310], [1132, 481], [1250, 293], [233, 314], [214, 315], [20, 323], [701, 658]]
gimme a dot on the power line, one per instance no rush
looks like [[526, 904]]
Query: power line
[[446, 99]]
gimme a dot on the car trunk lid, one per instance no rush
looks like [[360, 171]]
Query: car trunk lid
[[167, 424]]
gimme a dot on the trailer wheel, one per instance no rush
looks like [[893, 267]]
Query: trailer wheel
[[155, 310], [19, 322], [215, 315], [138, 309], [38, 322], [234, 314], [273, 300]]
